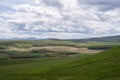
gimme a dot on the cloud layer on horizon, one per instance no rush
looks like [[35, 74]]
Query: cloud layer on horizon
[[59, 18]]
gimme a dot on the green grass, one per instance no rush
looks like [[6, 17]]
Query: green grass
[[38, 43], [103, 66], [3, 56]]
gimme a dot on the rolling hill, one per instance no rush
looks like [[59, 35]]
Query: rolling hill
[[102, 66], [98, 39], [94, 39]]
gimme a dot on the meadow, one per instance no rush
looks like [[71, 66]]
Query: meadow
[[24, 60], [102, 66]]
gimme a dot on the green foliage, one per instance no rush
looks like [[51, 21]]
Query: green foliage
[[40, 51], [55, 43], [22, 45], [3, 56], [106, 47], [3, 47]]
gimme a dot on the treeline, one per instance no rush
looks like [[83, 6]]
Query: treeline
[[100, 47]]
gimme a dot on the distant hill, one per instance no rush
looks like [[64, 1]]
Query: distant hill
[[29, 38], [98, 39]]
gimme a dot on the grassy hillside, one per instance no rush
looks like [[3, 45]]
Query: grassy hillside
[[103, 66], [38, 43], [99, 39]]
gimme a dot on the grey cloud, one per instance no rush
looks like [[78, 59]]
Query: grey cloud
[[54, 3], [103, 4]]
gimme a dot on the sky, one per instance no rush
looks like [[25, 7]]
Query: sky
[[62, 19]]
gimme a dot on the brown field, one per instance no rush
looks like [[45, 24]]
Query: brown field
[[61, 48]]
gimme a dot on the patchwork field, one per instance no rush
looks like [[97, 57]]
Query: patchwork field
[[60, 48], [49, 48]]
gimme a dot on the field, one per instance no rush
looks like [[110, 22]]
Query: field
[[102, 66], [59, 60], [49, 48]]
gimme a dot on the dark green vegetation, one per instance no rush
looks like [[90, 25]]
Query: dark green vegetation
[[102, 66], [99, 39], [6, 52], [20, 48]]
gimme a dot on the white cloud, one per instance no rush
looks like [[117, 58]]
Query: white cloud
[[70, 20], [37, 1], [113, 15], [42, 9], [99, 27], [69, 5]]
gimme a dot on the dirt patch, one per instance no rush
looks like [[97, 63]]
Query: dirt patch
[[67, 48], [60, 48], [19, 49]]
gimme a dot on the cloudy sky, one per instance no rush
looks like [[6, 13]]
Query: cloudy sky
[[63, 19]]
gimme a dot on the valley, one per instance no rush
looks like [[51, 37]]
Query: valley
[[59, 60]]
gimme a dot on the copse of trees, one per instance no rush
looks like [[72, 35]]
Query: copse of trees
[[100, 47], [40, 51], [3, 47]]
